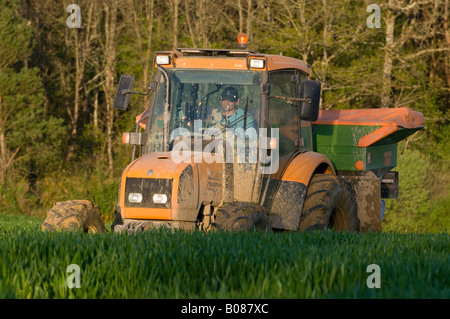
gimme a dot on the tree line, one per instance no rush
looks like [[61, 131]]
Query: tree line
[[57, 83]]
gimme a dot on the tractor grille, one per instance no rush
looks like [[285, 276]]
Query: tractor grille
[[147, 187]]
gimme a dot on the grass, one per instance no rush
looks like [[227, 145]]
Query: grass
[[165, 264]]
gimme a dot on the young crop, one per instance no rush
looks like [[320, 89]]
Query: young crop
[[179, 264]]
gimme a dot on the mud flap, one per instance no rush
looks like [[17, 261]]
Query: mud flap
[[367, 187], [287, 205]]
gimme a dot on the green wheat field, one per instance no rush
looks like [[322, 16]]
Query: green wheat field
[[195, 265]]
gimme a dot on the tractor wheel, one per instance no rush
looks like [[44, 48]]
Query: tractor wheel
[[74, 215], [330, 203], [240, 217]]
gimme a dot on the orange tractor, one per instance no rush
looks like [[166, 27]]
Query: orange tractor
[[234, 140]]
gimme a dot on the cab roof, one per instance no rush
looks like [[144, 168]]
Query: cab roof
[[233, 59]]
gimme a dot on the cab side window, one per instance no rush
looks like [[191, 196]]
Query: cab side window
[[282, 114]]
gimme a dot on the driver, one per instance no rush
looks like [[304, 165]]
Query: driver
[[231, 115]]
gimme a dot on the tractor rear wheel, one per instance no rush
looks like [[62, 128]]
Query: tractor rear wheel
[[330, 203], [74, 215]]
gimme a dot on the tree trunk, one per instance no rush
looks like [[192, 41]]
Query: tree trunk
[[3, 154], [95, 108], [388, 58], [447, 40], [6, 159], [241, 17], [189, 24], [148, 52], [325, 39], [110, 8], [249, 18], [81, 41], [202, 24], [175, 23], [76, 102]]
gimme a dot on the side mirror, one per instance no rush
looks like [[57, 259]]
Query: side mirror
[[123, 92], [310, 90]]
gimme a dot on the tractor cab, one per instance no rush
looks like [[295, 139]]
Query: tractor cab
[[236, 107]]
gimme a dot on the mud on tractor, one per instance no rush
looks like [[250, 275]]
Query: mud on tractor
[[234, 140]]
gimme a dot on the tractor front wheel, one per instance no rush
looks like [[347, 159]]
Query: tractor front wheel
[[74, 215], [330, 204], [239, 216]]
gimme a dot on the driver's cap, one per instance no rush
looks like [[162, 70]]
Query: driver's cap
[[230, 94]]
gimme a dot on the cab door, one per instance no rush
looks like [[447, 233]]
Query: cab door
[[283, 116]]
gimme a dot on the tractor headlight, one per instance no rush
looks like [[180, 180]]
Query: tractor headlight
[[160, 198], [163, 59], [135, 198], [257, 63]]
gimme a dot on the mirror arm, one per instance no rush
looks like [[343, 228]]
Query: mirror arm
[[290, 99], [151, 87], [124, 92]]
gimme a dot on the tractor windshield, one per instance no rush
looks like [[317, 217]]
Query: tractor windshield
[[201, 100]]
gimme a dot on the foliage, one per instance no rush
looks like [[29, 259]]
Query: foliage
[[422, 205], [15, 35], [97, 187], [38, 137], [31, 140]]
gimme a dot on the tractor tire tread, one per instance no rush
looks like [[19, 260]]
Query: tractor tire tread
[[74, 215]]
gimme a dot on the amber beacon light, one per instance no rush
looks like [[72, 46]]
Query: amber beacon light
[[242, 41]]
